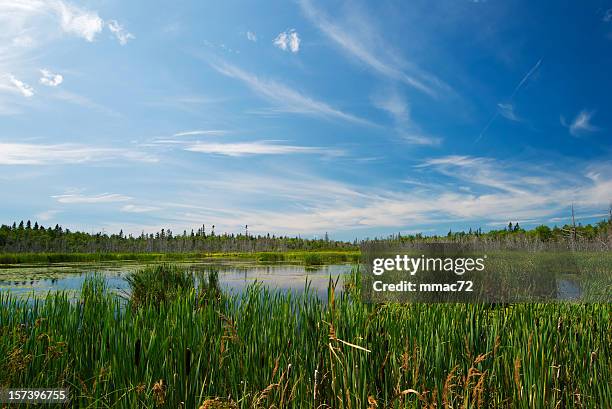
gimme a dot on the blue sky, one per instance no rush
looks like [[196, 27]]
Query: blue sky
[[305, 117]]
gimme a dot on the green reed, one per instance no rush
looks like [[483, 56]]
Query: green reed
[[285, 350]]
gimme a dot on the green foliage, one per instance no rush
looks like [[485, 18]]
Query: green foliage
[[313, 259], [38, 239], [158, 284], [264, 349], [270, 257], [328, 257], [543, 233]]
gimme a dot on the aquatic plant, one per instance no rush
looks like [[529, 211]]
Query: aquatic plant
[[263, 349], [158, 284]]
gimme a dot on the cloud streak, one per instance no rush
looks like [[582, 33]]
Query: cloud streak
[[256, 148], [130, 208], [581, 123], [75, 198], [499, 191], [288, 99], [208, 132], [379, 57], [398, 108], [20, 86], [120, 33], [507, 109], [65, 154]]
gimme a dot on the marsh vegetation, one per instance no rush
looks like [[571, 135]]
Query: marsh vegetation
[[262, 349]]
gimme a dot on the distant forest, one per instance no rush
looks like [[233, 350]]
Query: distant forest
[[28, 237]]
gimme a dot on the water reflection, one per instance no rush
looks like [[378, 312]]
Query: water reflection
[[234, 276]]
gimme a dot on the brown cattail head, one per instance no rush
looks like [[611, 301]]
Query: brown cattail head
[[137, 352]]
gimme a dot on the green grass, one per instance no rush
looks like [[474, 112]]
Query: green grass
[[326, 257], [262, 349], [158, 284]]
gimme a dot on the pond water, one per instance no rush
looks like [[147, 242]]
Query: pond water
[[234, 276]]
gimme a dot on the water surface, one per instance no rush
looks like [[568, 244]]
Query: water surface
[[234, 276]]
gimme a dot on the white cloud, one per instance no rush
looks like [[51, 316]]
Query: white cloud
[[507, 111], [50, 79], [29, 26], [209, 132], [130, 208], [581, 123], [256, 148], [251, 36], [287, 98], [608, 16], [416, 138], [28, 30], [23, 41], [61, 154], [497, 190], [74, 20], [288, 41], [25, 90], [47, 215], [393, 103], [359, 39], [122, 35], [77, 198], [476, 170]]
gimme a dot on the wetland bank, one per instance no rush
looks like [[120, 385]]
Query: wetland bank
[[185, 338]]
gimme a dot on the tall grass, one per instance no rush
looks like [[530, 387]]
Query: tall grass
[[158, 284], [326, 257], [262, 349]]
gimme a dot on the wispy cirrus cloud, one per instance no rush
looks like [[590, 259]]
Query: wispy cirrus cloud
[[477, 170], [359, 39], [507, 111], [13, 84], [287, 99], [581, 123], [77, 198], [257, 148], [64, 154], [394, 104], [251, 36], [85, 102], [500, 191], [131, 208], [120, 33], [204, 132]]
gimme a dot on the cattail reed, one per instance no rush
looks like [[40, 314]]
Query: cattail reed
[[294, 350]]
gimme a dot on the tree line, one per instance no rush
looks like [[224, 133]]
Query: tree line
[[25, 237], [597, 236]]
